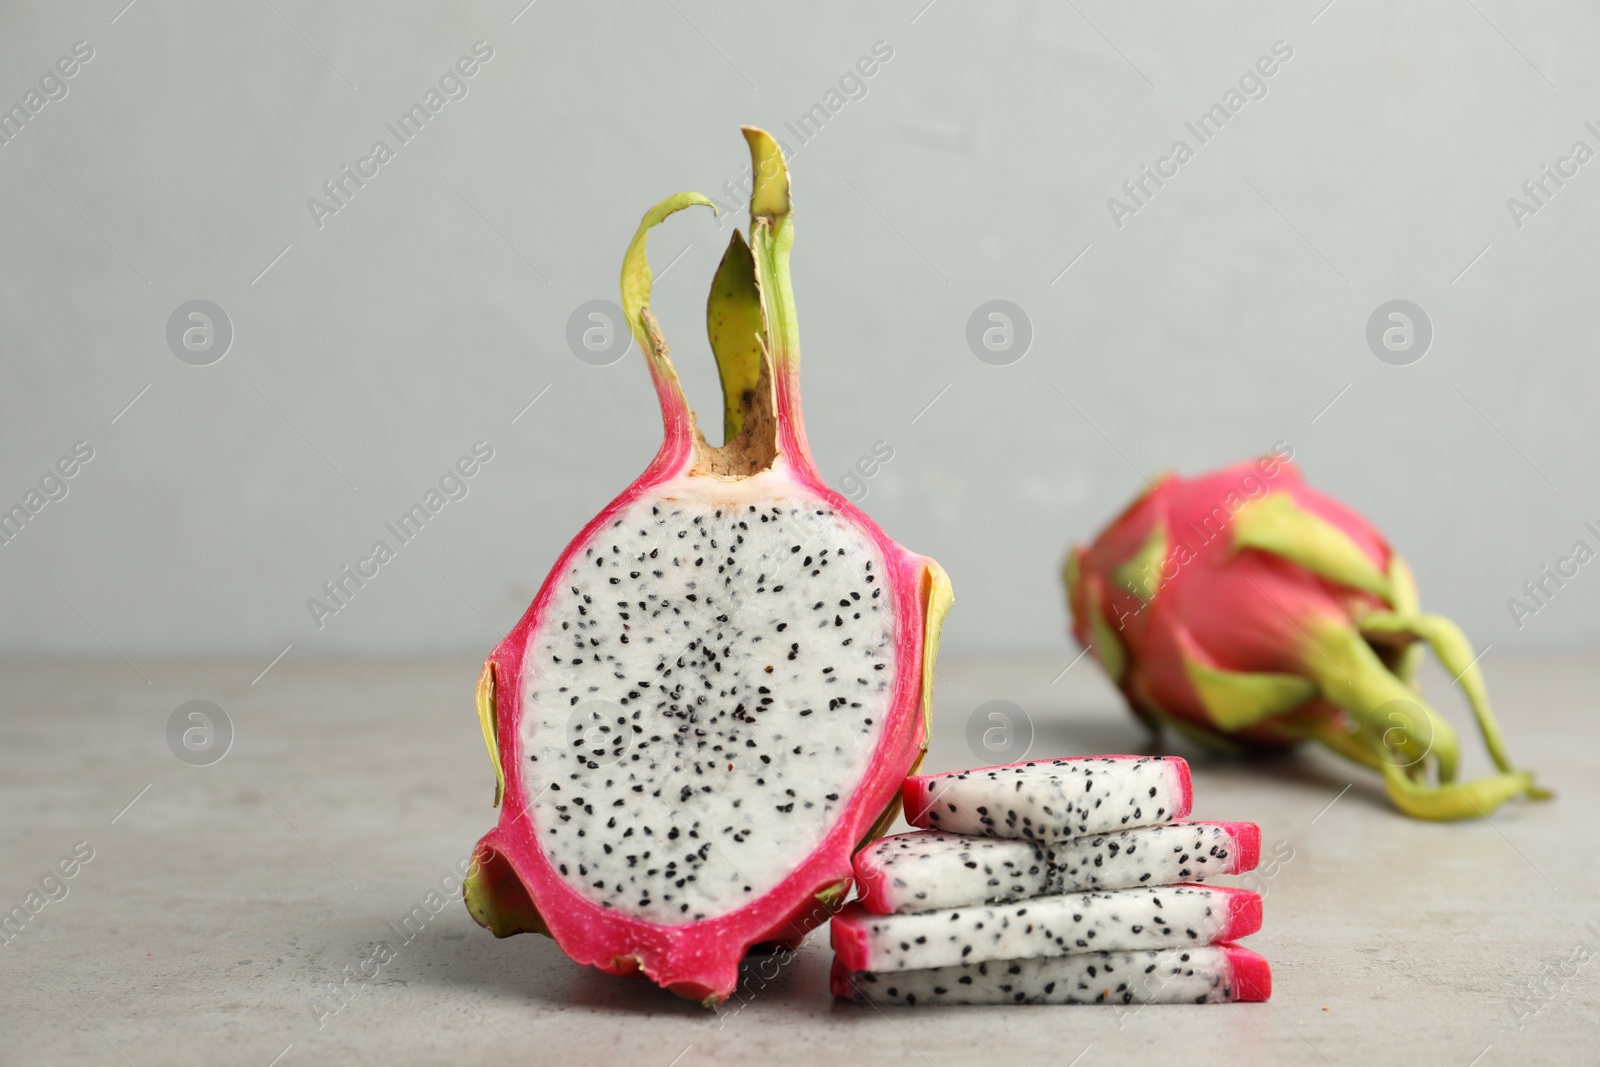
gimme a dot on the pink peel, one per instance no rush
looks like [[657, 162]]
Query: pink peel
[[1252, 974], [1244, 913], [1247, 846], [871, 882]]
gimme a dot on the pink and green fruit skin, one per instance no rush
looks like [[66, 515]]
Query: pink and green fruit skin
[[1248, 610], [718, 690]]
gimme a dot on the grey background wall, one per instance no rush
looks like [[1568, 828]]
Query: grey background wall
[[1226, 312]]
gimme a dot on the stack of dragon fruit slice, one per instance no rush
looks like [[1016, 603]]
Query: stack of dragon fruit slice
[[1066, 881]]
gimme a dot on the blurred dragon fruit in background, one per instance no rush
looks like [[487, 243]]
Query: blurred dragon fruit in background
[[1248, 611]]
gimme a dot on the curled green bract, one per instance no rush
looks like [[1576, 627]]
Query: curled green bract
[[1393, 729], [636, 276]]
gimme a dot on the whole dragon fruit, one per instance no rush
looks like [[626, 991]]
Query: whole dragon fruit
[[1248, 611], [722, 683]]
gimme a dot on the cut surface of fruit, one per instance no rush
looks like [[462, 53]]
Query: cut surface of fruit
[[1211, 974], [1049, 800], [1122, 920], [1156, 855], [704, 692], [724, 679], [929, 869]]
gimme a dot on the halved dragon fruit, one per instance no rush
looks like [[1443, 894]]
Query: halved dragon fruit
[[929, 869], [1156, 855], [1124, 920], [1212, 974], [1048, 800], [721, 684]]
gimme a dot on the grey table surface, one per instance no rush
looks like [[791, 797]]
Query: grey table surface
[[223, 900]]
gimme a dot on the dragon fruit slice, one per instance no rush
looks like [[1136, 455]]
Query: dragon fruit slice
[[1156, 855], [1047, 800], [930, 869], [1212, 974], [1124, 920], [1247, 610], [724, 679]]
